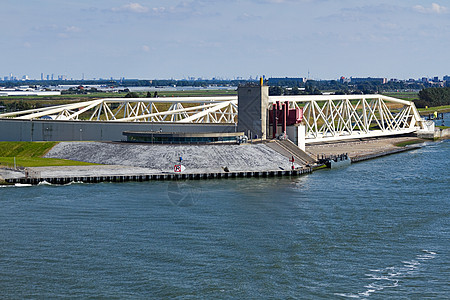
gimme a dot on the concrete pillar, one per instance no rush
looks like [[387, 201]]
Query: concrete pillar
[[275, 123], [297, 134], [301, 137], [253, 107]]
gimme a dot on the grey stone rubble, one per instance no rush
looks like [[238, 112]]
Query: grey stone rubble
[[139, 159]]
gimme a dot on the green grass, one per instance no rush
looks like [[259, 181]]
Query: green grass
[[403, 95], [443, 127], [29, 154], [25, 149], [39, 162], [444, 108], [83, 97], [197, 93], [67, 98], [406, 143]]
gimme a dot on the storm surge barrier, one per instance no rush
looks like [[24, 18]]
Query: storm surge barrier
[[325, 117]]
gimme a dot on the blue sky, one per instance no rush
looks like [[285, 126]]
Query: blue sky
[[176, 39]]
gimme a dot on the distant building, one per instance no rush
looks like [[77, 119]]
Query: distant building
[[344, 80], [368, 79], [286, 81], [446, 78]]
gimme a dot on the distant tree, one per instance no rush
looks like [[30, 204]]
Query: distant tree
[[149, 95], [420, 103], [311, 89], [357, 92], [295, 91], [435, 96], [132, 95], [275, 91]]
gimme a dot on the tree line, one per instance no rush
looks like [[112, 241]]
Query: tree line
[[433, 97]]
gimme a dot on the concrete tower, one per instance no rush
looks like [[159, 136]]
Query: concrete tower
[[253, 101]]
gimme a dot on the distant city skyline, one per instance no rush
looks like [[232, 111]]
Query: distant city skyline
[[54, 77], [148, 39]]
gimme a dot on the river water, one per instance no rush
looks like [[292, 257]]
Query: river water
[[376, 229]]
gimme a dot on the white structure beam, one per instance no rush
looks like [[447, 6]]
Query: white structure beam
[[326, 117]]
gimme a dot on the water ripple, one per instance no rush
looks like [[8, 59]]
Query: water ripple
[[390, 277]]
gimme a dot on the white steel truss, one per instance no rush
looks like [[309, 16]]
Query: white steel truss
[[333, 117], [174, 109], [326, 117]]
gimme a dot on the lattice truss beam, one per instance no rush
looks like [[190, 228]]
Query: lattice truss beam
[[353, 116], [179, 109], [330, 117]]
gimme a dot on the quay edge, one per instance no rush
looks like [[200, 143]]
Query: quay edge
[[162, 176]]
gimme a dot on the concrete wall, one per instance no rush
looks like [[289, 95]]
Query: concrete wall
[[49, 130], [297, 134], [434, 135]]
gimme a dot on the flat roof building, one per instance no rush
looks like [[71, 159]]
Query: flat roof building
[[156, 137]]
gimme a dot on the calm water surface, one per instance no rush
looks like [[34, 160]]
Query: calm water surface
[[377, 229]]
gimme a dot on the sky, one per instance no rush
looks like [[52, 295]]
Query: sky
[[146, 39]]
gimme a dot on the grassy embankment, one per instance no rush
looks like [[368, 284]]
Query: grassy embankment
[[29, 154], [406, 143], [439, 109], [410, 96]]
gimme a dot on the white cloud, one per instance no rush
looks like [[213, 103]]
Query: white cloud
[[159, 9], [435, 8], [72, 29], [438, 8], [248, 17], [132, 7], [145, 48], [282, 1]]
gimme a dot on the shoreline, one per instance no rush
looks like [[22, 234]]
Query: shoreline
[[357, 150]]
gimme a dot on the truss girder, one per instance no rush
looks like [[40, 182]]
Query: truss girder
[[333, 117], [326, 117]]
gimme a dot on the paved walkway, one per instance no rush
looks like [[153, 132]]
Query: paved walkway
[[357, 148]]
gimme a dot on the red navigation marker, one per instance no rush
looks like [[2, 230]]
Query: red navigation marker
[[292, 161], [177, 168]]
